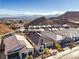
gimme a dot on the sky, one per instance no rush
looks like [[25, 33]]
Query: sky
[[43, 7]]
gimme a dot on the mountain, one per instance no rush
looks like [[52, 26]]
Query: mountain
[[70, 14], [70, 18], [22, 16], [40, 21]]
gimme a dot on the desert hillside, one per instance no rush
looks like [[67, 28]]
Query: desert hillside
[[4, 29]]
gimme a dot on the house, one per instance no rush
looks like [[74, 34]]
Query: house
[[56, 37], [39, 40], [17, 46], [72, 32], [37, 29], [15, 26], [68, 36], [52, 35]]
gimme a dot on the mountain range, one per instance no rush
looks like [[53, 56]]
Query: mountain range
[[22, 16], [71, 18]]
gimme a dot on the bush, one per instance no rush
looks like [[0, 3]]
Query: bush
[[58, 47], [46, 51], [30, 57]]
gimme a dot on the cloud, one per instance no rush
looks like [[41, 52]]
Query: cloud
[[50, 13], [14, 12]]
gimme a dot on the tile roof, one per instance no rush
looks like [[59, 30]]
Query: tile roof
[[16, 42], [38, 37]]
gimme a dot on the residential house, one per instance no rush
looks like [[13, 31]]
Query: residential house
[[39, 40], [17, 46]]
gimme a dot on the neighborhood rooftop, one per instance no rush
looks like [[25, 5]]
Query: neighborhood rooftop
[[16, 42], [37, 37]]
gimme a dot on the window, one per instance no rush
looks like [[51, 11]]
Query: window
[[24, 55], [14, 56], [30, 53]]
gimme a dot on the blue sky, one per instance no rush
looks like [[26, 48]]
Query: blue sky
[[37, 6]]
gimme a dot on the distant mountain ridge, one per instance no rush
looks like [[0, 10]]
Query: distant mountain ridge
[[70, 18], [22, 16]]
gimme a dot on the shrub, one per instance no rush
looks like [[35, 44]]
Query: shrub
[[46, 51], [58, 47], [30, 57]]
